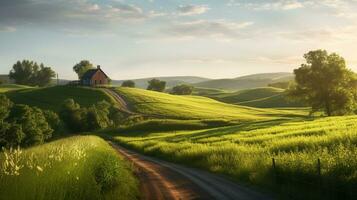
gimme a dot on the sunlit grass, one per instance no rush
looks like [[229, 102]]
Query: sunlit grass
[[81, 167], [52, 98], [245, 152], [196, 107], [11, 87]]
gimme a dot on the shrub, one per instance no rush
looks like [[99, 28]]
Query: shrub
[[182, 89], [128, 83], [156, 85], [79, 118]]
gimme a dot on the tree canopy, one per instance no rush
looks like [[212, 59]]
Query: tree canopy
[[156, 85], [325, 83], [30, 73], [24, 125], [82, 67], [182, 89], [128, 83]]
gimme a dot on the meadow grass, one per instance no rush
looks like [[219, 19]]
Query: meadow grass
[[53, 97], [263, 97], [11, 87], [244, 152], [80, 167], [164, 105]]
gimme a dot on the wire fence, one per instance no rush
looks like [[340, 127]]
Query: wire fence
[[314, 186]]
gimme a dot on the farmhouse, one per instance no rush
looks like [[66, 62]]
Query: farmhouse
[[94, 77]]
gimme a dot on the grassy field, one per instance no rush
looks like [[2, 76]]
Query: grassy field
[[11, 87], [165, 105], [264, 97], [81, 167], [53, 97], [244, 152]]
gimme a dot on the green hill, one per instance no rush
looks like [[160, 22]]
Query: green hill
[[265, 97], [246, 82], [53, 97], [170, 81], [193, 107], [10, 87]]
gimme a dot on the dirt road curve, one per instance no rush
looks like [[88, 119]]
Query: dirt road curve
[[160, 180], [119, 99]]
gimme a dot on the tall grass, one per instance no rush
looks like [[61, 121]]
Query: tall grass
[[81, 167], [163, 105], [245, 153]]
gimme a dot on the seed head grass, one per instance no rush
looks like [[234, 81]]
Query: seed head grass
[[81, 167]]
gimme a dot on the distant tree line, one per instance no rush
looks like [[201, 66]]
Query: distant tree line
[[30, 73]]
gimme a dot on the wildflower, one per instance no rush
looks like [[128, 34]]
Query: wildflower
[[12, 164], [39, 168]]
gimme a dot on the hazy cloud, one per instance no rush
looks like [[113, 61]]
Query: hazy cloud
[[79, 14], [189, 10], [219, 29], [7, 29]]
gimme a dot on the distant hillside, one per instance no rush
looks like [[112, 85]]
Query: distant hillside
[[170, 81], [246, 82], [264, 97], [5, 78]]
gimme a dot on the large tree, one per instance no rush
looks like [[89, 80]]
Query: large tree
[[30, 73], [156, 85], [82, 67], [325, 83]]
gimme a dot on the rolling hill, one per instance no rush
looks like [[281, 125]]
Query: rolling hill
[[193, 107], [264, 97], [11, 87], [53, 97], [170, 81], [246, 82]]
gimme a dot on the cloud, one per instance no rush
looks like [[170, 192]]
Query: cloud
[[66, 14], [325, 34], [218, 29], [291, 4], [189, 10], [7, 29]]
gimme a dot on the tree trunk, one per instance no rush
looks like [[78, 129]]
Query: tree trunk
[[328, 108]]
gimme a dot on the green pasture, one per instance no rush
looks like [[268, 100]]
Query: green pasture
[[80, 167]]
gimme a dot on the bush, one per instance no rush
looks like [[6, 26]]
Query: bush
[[156, 85], [24, 125], [182, 89], [128, 83], [95, 117]]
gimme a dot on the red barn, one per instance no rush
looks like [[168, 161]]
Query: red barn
[[95, 77]]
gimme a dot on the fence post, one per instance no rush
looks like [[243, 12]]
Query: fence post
[[320, 188], [319, 167], [274, 171]]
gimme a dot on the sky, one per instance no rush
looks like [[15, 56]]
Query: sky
[[147, 38]]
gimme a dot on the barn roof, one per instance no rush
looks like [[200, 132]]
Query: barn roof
[[90, 73]]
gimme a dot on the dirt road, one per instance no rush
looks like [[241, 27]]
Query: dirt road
[[120, 100], [160, 180]]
